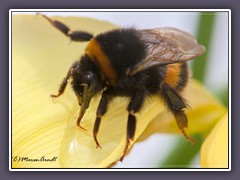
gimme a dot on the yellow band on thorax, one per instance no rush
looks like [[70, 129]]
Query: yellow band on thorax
[[96, 54]]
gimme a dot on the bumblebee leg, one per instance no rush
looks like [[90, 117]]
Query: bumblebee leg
[[176, 105], [73, 35], [133, 107], [64, 82], [102, 108]]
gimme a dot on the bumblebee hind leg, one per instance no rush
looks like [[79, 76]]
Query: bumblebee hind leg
[[73, 35], [176, 105]]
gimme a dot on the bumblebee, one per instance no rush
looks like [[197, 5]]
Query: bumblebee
[[131, 63]]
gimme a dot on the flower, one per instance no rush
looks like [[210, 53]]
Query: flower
[[46, 129], [214, 151]]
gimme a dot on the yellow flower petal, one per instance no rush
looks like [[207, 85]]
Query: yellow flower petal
[[214, 151], [79, 144], [41, 56]]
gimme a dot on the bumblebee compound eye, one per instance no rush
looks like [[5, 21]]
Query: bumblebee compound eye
[[89, 76], [91, 79]]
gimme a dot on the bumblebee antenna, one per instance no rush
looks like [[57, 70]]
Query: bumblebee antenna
[[79, 36]]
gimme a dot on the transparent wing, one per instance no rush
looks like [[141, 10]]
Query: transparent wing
[[166, 46]]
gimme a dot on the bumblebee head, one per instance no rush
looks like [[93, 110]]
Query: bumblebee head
[[86, 81]]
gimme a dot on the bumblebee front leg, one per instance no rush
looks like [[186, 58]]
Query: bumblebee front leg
[[176, 105], [102, 108], [64, 82], [133, 107], [73, 35]]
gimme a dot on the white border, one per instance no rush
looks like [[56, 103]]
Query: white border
[[229, 88], [120, 10]]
